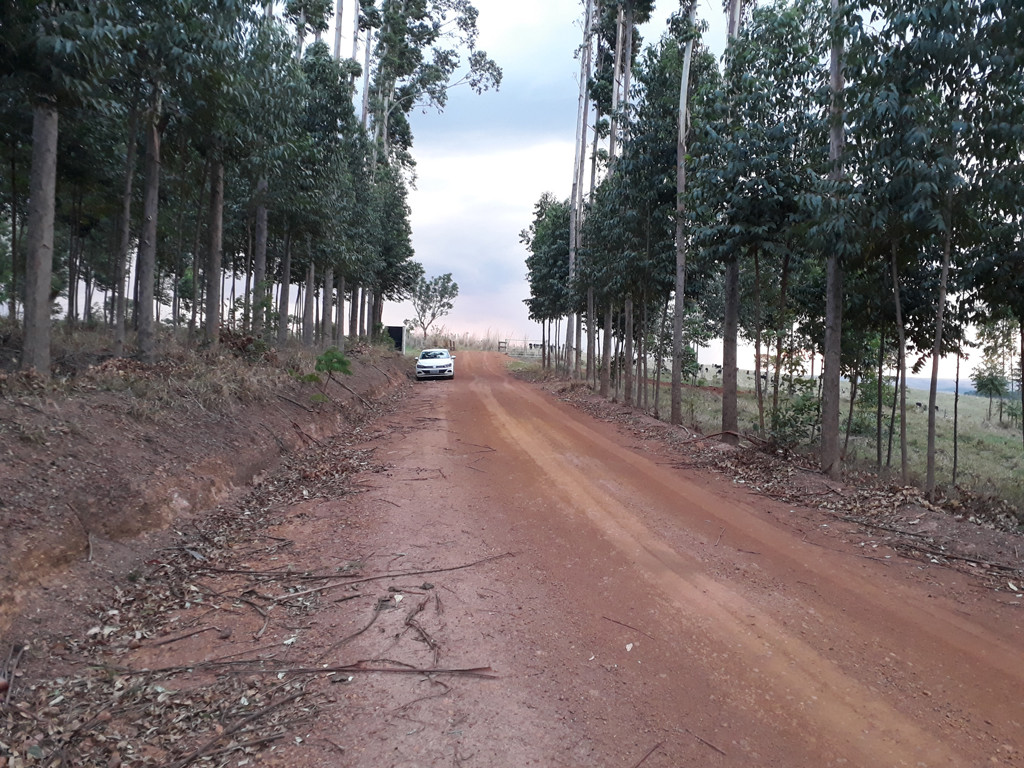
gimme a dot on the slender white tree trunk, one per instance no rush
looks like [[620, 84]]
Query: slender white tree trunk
[[730, 415], [902, 334], [676, 412], [937, 348], [831, 458], [575, 206], [338, 11]]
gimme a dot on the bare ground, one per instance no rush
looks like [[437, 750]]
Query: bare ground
[[492, 574]]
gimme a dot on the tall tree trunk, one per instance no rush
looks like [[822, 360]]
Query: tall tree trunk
[[878, 408], [627, 351], [730, 331], [849, 413], [213, 258], [284, 300], [308, 308], [124, 243], [659, 361], [259, 278], [147, 237], [613, 132], [591, 338], [12, 301], [679, 308], [363, 301], [327, 314], [340, 329], [758, 315], [892, 417], [543, 345], [353, 316], [338, 10], [378, 313], [947, 247], [781, 331], [576, 198], [74, 243], [1022, 378], [606, 351], [39, 239], [901, 332], [197, 239], [831, 460], [956, 419]]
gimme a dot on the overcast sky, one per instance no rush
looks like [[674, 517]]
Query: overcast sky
[[485, 161]]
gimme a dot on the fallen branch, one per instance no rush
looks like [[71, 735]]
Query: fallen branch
[[346, 387], [334, 646], [299, 405], [261, 612], [650, 752], [170, 640], [627, 626], [750, 438], [410, 621], [705, 742], [961, 558], [485, 672], [880, 527], [325, 587]]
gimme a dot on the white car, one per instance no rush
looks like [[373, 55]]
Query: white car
[[435, 364]]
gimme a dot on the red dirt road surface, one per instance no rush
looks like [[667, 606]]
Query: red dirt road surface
[[634, 613]]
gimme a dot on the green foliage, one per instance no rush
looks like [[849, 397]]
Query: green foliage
[[433, 299], [547, 266], [797, 417], [333, 361]]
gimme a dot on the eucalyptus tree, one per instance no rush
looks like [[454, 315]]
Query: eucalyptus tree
[[682, 132], [174, 42], [418, 60], [220, 130], [431, 300], [751, 165], [610, 87], [579, 170], [16, 138], [329, 117], [53, 54], [547, 240], [647, 195], [926, 140], [276, 109], [830, 458], [393, 275]]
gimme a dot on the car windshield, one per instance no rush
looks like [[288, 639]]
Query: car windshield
[[432, 354]]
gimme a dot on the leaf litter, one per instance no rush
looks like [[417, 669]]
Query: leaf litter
[[107, 705]]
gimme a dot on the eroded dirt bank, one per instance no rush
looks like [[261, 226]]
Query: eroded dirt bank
[[487, 576], [103, 465]]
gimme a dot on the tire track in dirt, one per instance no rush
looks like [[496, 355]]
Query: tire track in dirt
[[601, 484]]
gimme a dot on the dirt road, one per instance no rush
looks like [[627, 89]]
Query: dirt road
[[637, 614]]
